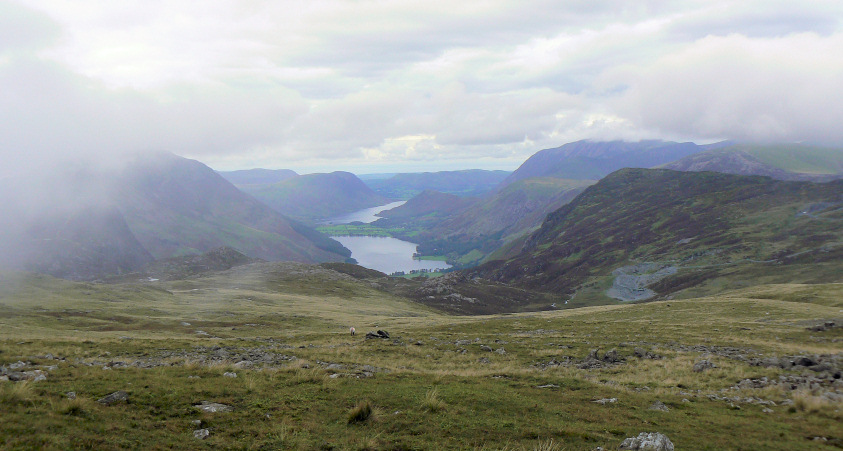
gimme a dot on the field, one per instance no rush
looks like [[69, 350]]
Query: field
[[515, 381]]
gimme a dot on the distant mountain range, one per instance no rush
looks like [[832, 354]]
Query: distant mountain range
[[592, 160], [257, 176], [780, 161], [315, 197], [472, 182]]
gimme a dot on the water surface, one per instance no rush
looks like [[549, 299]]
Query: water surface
[[365, 215], [386, 254]]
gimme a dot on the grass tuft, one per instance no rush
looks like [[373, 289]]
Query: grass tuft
[[549, 445], [16, 393], [361, 413], [431, 401]]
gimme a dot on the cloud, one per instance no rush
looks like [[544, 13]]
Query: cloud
[[289, 84], [757, 89]]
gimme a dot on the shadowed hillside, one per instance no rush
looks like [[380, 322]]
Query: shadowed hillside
[[471, 182]]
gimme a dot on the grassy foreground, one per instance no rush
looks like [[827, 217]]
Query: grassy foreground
[[519, 381]]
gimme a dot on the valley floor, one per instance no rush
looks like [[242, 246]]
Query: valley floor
[[753, 369]]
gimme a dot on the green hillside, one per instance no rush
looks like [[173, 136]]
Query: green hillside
[[641, 233]]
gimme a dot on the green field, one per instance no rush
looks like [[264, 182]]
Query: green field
[[514, 381]]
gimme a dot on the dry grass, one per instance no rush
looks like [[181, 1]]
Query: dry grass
[[13, 393], [804, 400], [431, 401]]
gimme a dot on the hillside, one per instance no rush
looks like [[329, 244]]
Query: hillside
[[257, 176], [314, 197], [471, 182], [424, 210], [781, 161], [177, 206], [642, 233], [471, 234], [85, 243], [592, 160]]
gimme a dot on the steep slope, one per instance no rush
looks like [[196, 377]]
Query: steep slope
[[591, 160], [314, 197], [781, 161], [257, 176], [83, 244], [471, 234], [668, 231], [177, 206], [60, 222], [471, 182]]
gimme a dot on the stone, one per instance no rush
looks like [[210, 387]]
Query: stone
[[605, 401], [611, 356], [70, 395], [501, 351], [112, 398], [213, 407], [485, 348], [658, 405], [229, 374], [201, 434], [196, 423], [650, 441], [703, 365], [383, 334]]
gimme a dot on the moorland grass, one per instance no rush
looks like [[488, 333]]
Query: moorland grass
[[431, 386]]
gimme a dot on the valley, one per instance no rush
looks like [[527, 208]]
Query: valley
[[579, 306]]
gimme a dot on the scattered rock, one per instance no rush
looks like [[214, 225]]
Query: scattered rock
[[644, 354], [196, 423], [547, 386], [378, 334], [703, 365], [501, 351], [485, 348], [213, 407], [483, 360], [605, 401], [650, 441], [658, 405], [114, 397], [229, 374], [70, 395], [201, 434]]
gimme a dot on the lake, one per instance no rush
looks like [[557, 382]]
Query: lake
[[383, 254], [386, 254], [365, 215]]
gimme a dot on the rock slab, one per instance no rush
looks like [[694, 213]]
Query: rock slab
[[649, 441]]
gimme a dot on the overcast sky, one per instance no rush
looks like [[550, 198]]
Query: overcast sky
[[395, 85]]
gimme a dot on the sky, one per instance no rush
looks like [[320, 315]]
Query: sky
[[404, 85]]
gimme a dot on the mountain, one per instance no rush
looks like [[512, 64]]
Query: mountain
[[471, 182], [469, 235], [643, 233], [86, 221], [592, 160], [424, 210], [780, 161], [176, 206], [314, 197], [257, 176], [87, 243]]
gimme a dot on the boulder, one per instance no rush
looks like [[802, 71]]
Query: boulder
[[201, 434], [658, 405], [703, 365], [213, 407], [650, 441], [114, 397]]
